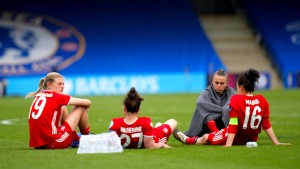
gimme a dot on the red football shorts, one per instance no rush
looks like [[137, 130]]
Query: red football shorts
[[63, 138], [218, 138], [161, 133]]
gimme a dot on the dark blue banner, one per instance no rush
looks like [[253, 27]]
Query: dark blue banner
[[278, 24], [102, 37]]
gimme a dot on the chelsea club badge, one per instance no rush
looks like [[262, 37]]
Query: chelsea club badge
[[33, 44]]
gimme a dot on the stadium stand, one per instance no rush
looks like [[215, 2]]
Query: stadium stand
[[132, 36], [277, 22], [104, 47], [237, 46]]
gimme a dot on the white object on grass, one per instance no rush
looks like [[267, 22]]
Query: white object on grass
[[100, 143], [251, 144]]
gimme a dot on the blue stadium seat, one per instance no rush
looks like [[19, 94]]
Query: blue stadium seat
[[278, 24]]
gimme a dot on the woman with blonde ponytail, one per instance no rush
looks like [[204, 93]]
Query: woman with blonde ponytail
[[32, 94], [51, 126]]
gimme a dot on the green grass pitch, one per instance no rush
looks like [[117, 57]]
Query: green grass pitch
[[285, 118]]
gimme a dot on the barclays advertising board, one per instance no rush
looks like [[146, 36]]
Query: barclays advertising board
[[116, 85]]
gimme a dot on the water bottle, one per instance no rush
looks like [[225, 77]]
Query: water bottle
[[251, 144]]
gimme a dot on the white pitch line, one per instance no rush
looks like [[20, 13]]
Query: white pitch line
[[9, 121]]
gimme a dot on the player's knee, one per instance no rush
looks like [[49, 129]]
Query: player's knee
[[80, 108], [172, 123]]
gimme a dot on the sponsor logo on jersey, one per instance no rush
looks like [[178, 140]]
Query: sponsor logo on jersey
[[35, 44], [165, 130]]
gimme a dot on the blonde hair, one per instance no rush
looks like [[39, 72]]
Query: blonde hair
[[43, 83]]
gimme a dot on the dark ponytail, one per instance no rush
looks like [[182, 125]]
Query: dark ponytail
[[248, 79], [132, 101]]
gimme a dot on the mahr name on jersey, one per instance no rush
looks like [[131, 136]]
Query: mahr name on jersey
[[252, 102]]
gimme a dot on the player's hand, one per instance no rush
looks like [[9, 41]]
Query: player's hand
[[167, 146]]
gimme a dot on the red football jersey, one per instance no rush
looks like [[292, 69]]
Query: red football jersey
[[132, 135], [252, 113], [44, 116]]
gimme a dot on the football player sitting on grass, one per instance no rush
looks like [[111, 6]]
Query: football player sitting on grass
[[137, 132], [248, 114]]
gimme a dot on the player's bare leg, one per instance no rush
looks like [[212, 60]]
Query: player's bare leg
[[172, 123], [202, 140]]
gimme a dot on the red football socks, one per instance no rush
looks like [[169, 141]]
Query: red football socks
[[75, 136], [85, 131], [212, 126], [191, 140]]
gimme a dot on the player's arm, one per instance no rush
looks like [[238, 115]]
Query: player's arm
[[271, 135], [230, 139], [232, 129], [266, 125], [79, 102]]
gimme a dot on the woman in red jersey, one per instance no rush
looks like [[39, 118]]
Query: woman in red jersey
[[137, 132], [50, 124], [248, 114]]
